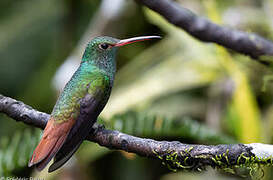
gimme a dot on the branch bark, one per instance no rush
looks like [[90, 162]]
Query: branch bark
[[204, 30], [174, 154]]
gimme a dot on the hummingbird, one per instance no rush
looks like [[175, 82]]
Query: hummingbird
[[80, 103]]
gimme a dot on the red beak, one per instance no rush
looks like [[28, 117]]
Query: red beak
[[135, 39]]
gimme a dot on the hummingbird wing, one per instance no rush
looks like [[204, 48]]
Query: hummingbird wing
[[90, 107], [68, 132]]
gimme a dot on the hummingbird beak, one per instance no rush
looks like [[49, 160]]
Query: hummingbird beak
[[135, 39]]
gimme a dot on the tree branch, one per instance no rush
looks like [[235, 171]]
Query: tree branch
[[204, 30], [174, 154]]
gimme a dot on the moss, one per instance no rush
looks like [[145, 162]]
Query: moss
[[176, 160], [225, 162]]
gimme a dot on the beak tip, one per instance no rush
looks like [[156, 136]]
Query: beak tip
[[136, 39], [158, 37]]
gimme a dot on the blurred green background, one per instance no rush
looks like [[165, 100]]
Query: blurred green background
[[177, 88]]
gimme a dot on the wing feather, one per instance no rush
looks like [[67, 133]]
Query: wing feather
[[90, 107]]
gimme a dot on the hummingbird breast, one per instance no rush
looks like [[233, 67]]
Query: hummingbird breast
[[85, 80]]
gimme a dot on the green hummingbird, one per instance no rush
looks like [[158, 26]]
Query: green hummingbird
[[80, 103]]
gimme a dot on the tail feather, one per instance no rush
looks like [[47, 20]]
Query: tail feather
[[75, 138], [60, 162], [52, 140], [41, 165]]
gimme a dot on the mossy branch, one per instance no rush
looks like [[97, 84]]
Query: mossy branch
[[174, 154]]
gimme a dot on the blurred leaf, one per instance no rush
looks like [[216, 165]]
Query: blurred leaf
[[16, 151], [148, 125], [244, 112]]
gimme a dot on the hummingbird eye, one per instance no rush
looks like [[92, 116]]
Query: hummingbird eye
[[104, 46]]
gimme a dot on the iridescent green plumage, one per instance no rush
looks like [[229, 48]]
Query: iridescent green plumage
[[96, 73], [83, 81], [80, 103]]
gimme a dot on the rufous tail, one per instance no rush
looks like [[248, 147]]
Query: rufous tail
[[52, 140]]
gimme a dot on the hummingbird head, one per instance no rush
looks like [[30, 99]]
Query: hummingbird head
[[103, 47], [101, 51]]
